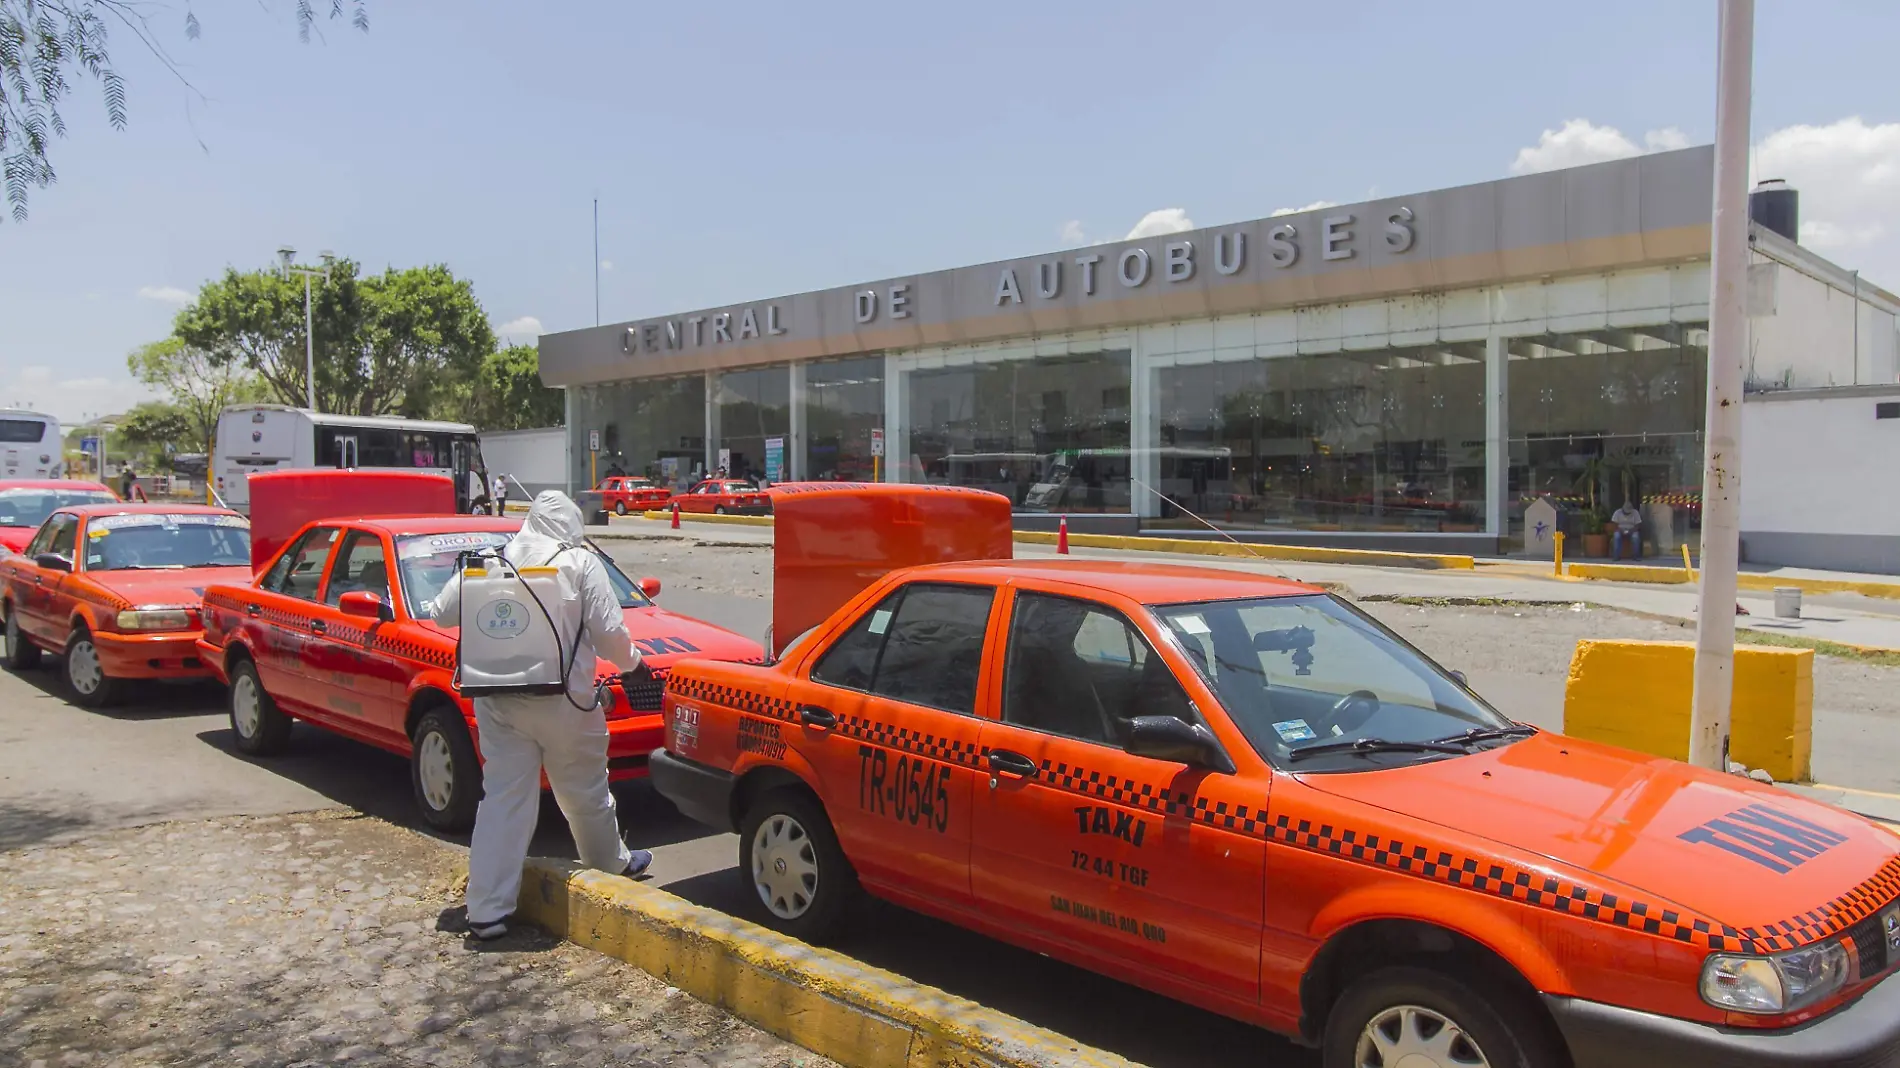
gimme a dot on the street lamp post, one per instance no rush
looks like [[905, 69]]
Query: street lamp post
[[284, 256]]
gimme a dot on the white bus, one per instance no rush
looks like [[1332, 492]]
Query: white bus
[[273, 437], [30, 445]]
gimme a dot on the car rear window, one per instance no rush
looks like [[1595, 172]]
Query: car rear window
[[28, 507]]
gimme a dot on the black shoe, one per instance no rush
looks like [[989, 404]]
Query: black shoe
[[642, 860], [489, 931]]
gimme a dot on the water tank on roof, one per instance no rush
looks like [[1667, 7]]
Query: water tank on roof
[[1774, 206]]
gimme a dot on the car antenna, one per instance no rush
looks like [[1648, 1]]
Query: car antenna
[[1197, 518]]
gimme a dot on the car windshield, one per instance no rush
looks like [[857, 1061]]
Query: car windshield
[[426, 561], [26, 506], [1298, 672], [167, 541]]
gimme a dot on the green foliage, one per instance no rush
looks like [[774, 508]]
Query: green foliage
[[404, 342], [148, 428], [44, 44], [198, 386], [508, 394]]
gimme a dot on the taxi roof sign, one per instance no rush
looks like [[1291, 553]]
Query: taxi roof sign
[[283, 501], [833, 539]]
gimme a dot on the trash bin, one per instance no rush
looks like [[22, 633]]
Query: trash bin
[[1787, 602]]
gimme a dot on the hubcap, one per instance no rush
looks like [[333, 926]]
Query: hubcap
[[247, 713], [82, 667], [784, 866], [1408, 1036], [436, 766]]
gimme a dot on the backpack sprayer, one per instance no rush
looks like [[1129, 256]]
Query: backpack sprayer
[[511, 627]]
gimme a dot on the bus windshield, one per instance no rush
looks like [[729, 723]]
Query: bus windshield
[[29, 507], [148, 542], [21, 431]]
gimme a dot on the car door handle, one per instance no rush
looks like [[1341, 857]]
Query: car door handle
[[317, 626], [1004, 762], [813, 716]]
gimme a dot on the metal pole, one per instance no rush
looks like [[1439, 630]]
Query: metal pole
[[596, 261], [309, 347], [1728, 342]]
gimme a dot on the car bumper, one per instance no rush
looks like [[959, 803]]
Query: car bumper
[[631, 740], [212, 657], [1865, 1033], [165, 655], [701, 793]]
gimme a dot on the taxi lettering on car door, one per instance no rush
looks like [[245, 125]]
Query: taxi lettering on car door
[[1129, 858], [895, 696]]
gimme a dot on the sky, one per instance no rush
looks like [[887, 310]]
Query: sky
[[748, 149]]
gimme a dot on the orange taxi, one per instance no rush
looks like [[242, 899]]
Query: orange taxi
[[630, 493], [333, 632], [26, 502], [1246, 794], [114, 589]]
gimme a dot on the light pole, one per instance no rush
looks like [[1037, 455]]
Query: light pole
[[284, 256]]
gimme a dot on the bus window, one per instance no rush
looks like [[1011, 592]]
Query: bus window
[[21, 431], [380, 447]]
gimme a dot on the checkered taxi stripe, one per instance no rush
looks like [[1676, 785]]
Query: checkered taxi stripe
[[1533, 888]]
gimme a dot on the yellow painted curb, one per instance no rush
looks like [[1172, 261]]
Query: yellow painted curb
[[837, 1007], [699, 517], [1630, 573], [1311, 554], [1758, 583]]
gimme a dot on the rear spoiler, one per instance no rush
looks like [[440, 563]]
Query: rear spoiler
[[282, 502], [831, 540]]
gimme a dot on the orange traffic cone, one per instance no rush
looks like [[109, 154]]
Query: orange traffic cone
[[1062, 535], [676, 515]]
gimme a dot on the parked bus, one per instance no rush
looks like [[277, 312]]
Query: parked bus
[[273, 437], [30, 445]]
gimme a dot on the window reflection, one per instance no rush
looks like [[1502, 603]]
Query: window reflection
[[752, 407], [651, 427], [844, 402], [1618, 408], [1049, 433], [1383, 440]]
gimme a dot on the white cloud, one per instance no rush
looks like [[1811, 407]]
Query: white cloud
[[1580, 141], [70, 399], [606, 265], [166, 295], [1161, 221], [520, 331], [1072, 235], [1848, 175], [1314, 206]]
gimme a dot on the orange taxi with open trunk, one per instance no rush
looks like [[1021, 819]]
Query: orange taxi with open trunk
[[114, 591], [333, 630], [1244, 793]]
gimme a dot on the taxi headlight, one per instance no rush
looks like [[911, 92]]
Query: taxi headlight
[[1785, 982], [154, 619]]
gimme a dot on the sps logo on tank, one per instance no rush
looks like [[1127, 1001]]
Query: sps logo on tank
[[502, 619]]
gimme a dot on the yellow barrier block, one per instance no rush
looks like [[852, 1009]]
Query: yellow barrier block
[[1637, 695], [1630, 573], [1311, 554], [702, 517]]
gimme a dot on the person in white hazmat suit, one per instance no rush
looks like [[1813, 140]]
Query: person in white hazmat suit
[[522, 735]]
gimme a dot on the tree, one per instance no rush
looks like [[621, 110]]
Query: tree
[[198, 386], [508, 394], [151, 427], [398, 343], [45, 44]]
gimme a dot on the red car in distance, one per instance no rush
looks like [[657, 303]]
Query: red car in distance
[[630, 493], [725, 496], [26, 502]]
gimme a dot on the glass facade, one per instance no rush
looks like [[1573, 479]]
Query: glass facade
[[1620, 410], [1050, 433], [1389, 440], [750, 408], [844, 403], [654, 427]]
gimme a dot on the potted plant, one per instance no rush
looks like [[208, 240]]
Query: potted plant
[[1591, 523]]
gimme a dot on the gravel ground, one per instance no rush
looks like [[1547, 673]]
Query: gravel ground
[[732, 570], [306, 939]]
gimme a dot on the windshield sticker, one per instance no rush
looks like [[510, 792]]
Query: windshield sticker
[[879, 620], [1767, 836], [105, 523], [1294, 730], [419, 548], [1193, 624]]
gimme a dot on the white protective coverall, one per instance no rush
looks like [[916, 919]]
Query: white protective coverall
[[521, 735]]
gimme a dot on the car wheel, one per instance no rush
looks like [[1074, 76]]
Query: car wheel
[[1424, 1018], [260, 727], [620, 507], [21, 652], [797, 878], [85, 676], [445, 771], [720, 510]]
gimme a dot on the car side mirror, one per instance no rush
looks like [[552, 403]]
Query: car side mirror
[[53, 562], [1168, 738], [651, 587], [365, 605], [1460, 676]]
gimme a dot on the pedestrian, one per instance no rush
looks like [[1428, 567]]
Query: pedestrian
[[1629, 527], [563, 734], [127, 480]]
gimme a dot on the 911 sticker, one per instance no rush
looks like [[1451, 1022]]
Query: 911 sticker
[[915, 791], [685, 729]]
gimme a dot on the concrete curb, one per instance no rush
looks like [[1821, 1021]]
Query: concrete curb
[[859, 1016], [1758, 583], [1311, 554]]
